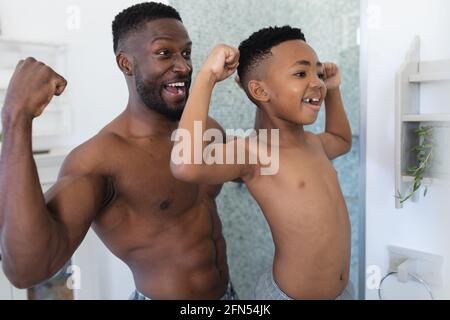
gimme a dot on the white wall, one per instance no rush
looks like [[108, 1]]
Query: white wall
[[96, 89], [97, 92], [424, 225]]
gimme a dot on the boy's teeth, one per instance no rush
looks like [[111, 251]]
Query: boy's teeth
[[309, 100]]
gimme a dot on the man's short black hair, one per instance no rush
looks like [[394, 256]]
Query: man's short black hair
[[134, 17], [258, 46]]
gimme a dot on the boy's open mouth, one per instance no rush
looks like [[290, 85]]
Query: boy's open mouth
[[313, 103]]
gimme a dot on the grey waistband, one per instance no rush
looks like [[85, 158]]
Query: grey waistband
[[230, 294]]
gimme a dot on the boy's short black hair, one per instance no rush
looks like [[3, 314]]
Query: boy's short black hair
[[132, 18], [258, 46]]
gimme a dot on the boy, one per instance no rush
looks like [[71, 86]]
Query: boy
[[302, 201]]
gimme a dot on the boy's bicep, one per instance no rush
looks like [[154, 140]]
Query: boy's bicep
[[213, 124], [223, 159], [225, 162], [220, 163]]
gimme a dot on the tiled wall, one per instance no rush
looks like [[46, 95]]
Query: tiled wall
[[330, 28]]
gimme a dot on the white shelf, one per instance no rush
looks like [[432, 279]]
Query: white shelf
[[412, 74], [57, 132], [432, 117], [25, 42], [428, 181], [429, 77], [431, 71]]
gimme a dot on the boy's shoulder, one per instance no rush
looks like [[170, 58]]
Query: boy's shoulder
[[314, 140], [312, 137]]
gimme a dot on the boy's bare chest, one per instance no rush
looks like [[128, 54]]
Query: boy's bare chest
[[300, 173], [305, 182], [305, 171]]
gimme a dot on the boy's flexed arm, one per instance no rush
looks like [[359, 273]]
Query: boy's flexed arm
[[220, 64], [337, 138]]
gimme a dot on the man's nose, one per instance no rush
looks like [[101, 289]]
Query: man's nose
[[181, 65]]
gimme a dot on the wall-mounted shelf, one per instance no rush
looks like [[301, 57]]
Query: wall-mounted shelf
[[417, 78], [437, 117], [431, 71], [408, 117], [56, 120]]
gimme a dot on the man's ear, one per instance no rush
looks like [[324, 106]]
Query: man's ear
[[257, 91], [124, 63]]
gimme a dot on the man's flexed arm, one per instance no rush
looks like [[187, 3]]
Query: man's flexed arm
[[34, 237]]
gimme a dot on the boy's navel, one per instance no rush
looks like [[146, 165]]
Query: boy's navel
[[302, 184]]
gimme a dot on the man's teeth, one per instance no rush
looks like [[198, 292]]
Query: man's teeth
[[176, 84]]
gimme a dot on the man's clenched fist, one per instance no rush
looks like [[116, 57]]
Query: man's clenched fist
[[31, 89]]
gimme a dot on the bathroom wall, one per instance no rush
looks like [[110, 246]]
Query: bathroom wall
[[330, 28], [388, 30]]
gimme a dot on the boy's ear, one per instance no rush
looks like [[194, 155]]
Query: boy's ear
[[257, 91], [124, 63]]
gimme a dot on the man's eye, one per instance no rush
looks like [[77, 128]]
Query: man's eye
[[187, 54], [321, 76], [301, 74], [163, 53]]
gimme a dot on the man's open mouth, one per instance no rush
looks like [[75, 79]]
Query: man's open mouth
[[177, 89]]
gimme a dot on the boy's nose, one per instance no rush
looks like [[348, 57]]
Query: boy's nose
[[316, 82]]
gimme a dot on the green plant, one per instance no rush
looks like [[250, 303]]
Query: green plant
[[424, 152]]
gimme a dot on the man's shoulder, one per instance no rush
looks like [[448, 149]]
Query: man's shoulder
[[92, 156]]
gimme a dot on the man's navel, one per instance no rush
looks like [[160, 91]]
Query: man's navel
[[165, 204]]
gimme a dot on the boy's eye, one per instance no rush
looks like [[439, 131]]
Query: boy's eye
[[301, 74]]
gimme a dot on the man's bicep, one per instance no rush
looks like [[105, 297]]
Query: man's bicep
[[74, 201]]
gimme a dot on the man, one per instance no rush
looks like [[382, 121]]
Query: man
[[168, 232]]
